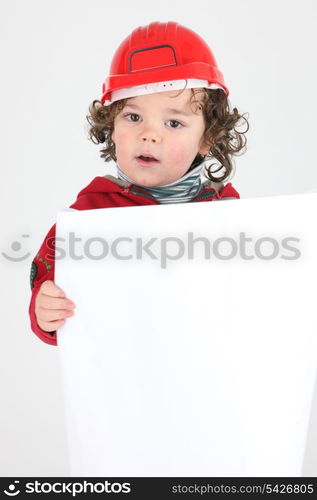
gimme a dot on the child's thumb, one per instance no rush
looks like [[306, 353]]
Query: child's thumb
[[50, 288]]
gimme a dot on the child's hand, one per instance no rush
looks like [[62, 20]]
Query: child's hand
[[51, 307]]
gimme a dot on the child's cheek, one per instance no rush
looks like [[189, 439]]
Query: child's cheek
[[121, 134], [179, 154], [122, 139]]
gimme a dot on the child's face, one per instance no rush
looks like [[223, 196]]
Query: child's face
[[149, 124]]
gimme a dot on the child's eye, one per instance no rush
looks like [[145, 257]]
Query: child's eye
[[175, 123], [132, 117]]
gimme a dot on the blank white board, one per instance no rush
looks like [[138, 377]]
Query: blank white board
[[201, 366]]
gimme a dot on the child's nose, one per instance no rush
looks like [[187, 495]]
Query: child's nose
[[151, 135]]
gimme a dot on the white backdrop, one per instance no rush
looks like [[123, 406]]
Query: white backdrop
[[54, 57]]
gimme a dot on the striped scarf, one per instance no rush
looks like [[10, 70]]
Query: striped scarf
[[179, 191]]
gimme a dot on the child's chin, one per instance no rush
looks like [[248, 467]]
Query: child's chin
[[147, 182]]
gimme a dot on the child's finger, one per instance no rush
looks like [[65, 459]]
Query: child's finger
[[48, 302], [51, 326], [49, 288], [53, 314]]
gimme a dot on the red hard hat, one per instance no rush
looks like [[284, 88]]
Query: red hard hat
[[166, 54]]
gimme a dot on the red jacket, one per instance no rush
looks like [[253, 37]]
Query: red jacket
[[102, 192]]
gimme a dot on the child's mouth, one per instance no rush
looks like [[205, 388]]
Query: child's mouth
[[146, 160]]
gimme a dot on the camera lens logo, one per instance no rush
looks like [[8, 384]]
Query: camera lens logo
[[16, 246], [13, 492]]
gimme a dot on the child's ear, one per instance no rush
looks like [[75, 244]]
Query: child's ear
[[204, 149], [113, 135]]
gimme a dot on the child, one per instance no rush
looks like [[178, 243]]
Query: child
[[163, 111]]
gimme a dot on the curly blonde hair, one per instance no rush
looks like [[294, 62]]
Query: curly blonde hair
[[220, 134]]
